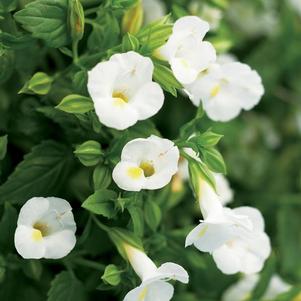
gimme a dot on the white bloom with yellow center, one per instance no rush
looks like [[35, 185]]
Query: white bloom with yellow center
[[146, 164], [225, 90], [45, 228], [186, 51], [235, 237], [242, 290], [154, 286], [123, 91]]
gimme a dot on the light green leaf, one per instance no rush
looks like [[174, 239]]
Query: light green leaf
[[89, 153], [101, 202], [46, 20], [76, 104], [41, 173], [136, 214], [40, 84], [130, 42], [65, 287], [112, 275], [164, 76], [214, 160]]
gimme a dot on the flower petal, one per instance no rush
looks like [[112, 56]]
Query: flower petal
[[26, 245], [170, 270], [128, 176], [148, 100], [59, 244]]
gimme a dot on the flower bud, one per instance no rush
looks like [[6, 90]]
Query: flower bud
[[132, 19], [76, 20]]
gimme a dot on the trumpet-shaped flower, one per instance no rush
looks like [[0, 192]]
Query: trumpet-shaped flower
[[225, 90], [235, 237], [242, 290], [146, 164], [154, 284], [185, 50], [123, 91], [46, 228]]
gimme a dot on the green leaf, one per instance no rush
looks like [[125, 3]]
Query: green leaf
[[7, 59], [130, 42], [66, 287], [3, 146], [112, 275], [8, 5], [294, 294], [214, 160], [19, 41], [152, 214], [136, 214], [207, 139], [46, 20], [102, 177], [8, 226], [76, 104], [101, 202], [155, 34], [41, 173], [40, 84], [89, 153], [121, 3], [164, 76]]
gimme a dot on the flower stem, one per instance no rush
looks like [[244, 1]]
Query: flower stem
[[99, 224], [89, 263]]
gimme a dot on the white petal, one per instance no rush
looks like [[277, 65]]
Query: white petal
[[208, 237], [155, 291], [33, 210], [119, 116], [153, 10], [123, 178], [276, 286], [59, 244], [227, 260], [192, 25], [140, 262], [101, 80], [254, 215], [170, 270], [242, 289], [148, 100], [224, 191], [26, 246], [138, 150], [183, 70], [255, 253]]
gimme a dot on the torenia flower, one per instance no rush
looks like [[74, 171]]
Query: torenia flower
[[45, 228], [123, 91], [186, 51], [235, 237], [146, 164], [225, 90], [242, 290], [154, 284], [153, 10]]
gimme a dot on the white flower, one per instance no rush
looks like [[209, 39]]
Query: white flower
[[226, 89], [296, 4], [185, 50], [153, 10], [226, 58], [235, 237], [146, 164], [46, 228], [123, 91], [241, 290], [154, 284]]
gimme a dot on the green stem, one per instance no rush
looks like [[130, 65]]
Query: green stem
[[99, 224], [75, 52], [90, 11], [89, 264]]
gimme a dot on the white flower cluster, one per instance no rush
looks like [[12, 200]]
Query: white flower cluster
[[123, 93]]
